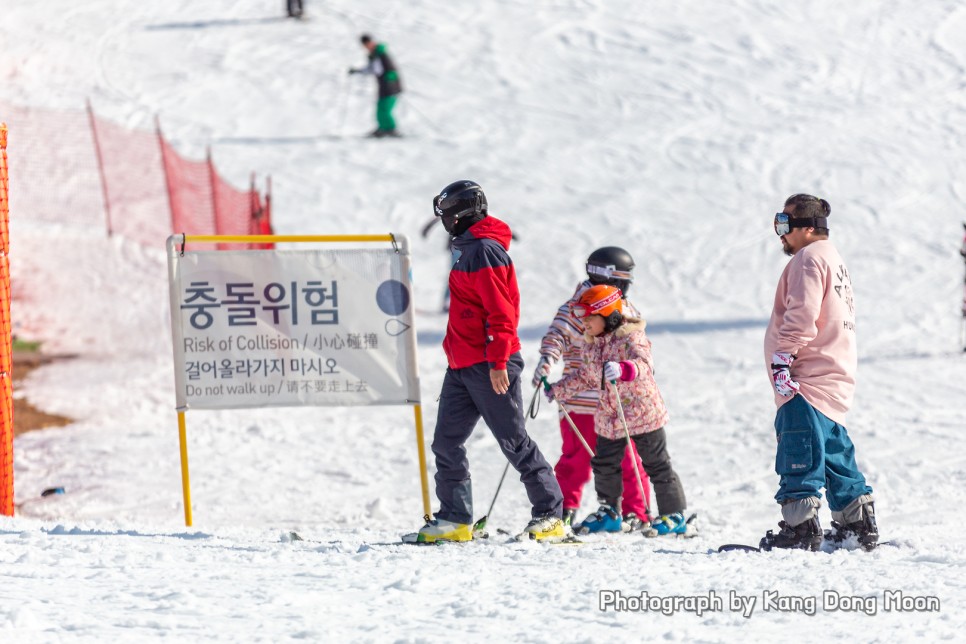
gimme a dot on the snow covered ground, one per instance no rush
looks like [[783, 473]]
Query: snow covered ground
[[675, 130]]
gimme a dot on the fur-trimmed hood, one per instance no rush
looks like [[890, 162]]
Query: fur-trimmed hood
[[630, 326]]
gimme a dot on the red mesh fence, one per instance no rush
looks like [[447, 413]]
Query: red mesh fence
[[55, 167], [190, 193], [132, 180], [236, 212], [78, 168], [6, 341]]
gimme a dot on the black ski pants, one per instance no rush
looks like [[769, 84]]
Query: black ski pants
[[466, 397], [652, 447]]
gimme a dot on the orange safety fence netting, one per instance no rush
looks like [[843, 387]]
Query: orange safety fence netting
[[6, 340]]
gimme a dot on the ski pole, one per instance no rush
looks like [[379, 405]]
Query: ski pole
[[570, 421], [481, 524], [531, 413], [630, 446], [418, 111]]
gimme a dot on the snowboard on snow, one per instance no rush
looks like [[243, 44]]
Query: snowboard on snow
[[827, 546]]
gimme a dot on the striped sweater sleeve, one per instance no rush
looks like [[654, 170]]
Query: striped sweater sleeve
[[563, 331]]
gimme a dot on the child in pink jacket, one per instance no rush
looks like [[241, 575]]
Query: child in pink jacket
[[617, 359], [563, 341]]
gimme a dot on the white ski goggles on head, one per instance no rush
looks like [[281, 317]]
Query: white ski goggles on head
[[609, 272], [784, 223]]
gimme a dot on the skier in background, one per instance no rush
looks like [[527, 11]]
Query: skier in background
[[483, 377], [811, 356], [616, 355], [382, 66], [563, 341], [294, 8]]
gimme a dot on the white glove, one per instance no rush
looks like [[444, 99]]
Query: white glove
[[612, 371], [781, 375], [542, 370]]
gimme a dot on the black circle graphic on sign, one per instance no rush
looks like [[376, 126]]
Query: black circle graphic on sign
[[392, 296]]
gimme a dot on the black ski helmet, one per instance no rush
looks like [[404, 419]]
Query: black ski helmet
[[460, 205], [611, 265]]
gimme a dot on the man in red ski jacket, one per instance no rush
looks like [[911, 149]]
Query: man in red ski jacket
[[483, 378], [484, 300]]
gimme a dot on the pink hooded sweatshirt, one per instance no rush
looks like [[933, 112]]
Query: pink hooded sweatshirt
[[814, 320]]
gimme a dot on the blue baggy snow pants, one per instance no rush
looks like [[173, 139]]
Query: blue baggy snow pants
[[815, 452], [468, 395]]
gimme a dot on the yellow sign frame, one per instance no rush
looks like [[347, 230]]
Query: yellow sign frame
[[182, 240]]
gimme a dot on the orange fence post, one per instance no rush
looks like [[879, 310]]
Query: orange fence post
[[6, 340]]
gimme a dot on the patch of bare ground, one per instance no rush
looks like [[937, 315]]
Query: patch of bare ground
[[26, 417]]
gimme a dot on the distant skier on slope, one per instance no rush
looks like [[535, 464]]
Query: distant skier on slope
[[616, 356], [811, 356], [563, 341], [382, 66], [483, 376], [294, 8]]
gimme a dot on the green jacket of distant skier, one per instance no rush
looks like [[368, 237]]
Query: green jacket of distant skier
[[382, 66]]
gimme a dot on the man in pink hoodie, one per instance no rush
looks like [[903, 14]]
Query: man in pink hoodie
[[811, 357]]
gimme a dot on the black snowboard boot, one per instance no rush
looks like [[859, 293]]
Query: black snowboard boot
[[804, 536], [865, 529]]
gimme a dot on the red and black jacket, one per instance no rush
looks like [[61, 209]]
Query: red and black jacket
[[484, 298]]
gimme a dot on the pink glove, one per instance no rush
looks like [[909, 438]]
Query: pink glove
[[781, 375]]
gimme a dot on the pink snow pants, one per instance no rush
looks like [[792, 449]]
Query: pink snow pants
[[573, 469]]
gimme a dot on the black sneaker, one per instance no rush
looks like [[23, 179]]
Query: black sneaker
[[804, 536], [866, 530]]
